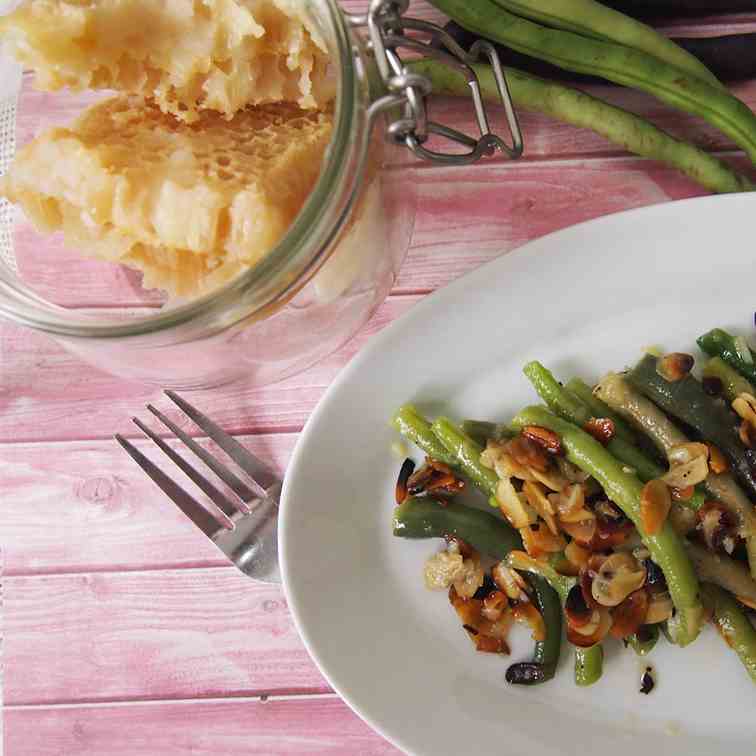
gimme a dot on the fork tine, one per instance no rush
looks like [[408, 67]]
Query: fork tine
[[200, 480], [238, 486], [184, 501], [259, 472]]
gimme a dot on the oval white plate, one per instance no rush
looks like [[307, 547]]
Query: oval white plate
[[583, 301]]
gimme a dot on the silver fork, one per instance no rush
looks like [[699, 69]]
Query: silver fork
[[245, 530]]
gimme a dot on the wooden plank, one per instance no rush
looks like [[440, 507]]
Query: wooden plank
[[466, 216], [86, 506], [322, 725], [159, 634], [68, 400]]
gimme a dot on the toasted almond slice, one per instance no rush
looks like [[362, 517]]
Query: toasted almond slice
[[655, 503]]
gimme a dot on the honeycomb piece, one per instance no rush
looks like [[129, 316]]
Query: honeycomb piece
[[188, 55], [188, 205]]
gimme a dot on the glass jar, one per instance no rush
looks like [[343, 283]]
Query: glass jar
[[307, 297]]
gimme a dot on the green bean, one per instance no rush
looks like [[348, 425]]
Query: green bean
[[647, 417], [733, 625], [592, 19], [733, 384], [588, 661], [589, 664], [601, 409], [571, 408], [422, 517], [719, 343], [414, 427], [617, 63], [644, 640], [686, 400], [585, 111], [722, 571], [492, 536], [466, 454], [546, 653], [624, 489], [481, 431]]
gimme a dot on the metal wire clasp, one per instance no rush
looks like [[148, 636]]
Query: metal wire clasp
[[388, 31]]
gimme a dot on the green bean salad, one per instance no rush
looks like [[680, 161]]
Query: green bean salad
[[622, 510]]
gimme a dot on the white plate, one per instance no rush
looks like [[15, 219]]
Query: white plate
[[583, 301]]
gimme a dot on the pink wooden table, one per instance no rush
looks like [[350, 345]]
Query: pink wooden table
[[123, 632]]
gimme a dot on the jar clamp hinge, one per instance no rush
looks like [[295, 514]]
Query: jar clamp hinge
[[388, 31]]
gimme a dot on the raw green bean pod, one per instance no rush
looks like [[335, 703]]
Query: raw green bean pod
[[629, 131], [614, 62], [592, 19]]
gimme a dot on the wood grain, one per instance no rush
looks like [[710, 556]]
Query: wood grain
[[87, 506], [320, 725], [155, 634]]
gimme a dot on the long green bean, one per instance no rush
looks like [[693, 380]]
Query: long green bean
[[585, 111], [718, 342], [592, 19], [617, 63], [624, 489], [569, 407], [723, 571], [647, 417], [588, 661], [733, 383], [585, 393], [414, 427], [732, 625], [589, 664], [466, 454]]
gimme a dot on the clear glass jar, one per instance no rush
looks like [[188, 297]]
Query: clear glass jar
[[314, 290]]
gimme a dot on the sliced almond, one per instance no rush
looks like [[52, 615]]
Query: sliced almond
[[576, 554], [660, 608], [535, 493], [510, 581], [518, 512], [689, 474], [527, 614], [745, 405], [618, 577], [655, 503], [552, 479], [717, 461]]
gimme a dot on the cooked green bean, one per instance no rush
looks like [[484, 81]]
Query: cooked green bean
[[601, 409], [571, 408], [733, 625], [722, 571], [414, 427], [644, 641], [647, 417], [585, 111], [482, 431], [719, 343], [588, 661], [624, 489], [614, 62], [592, 19], [589, 664], [686, 400], [466, 454], [733, 384]]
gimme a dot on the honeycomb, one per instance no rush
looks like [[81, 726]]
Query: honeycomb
[[189, 205], [188, 55]]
